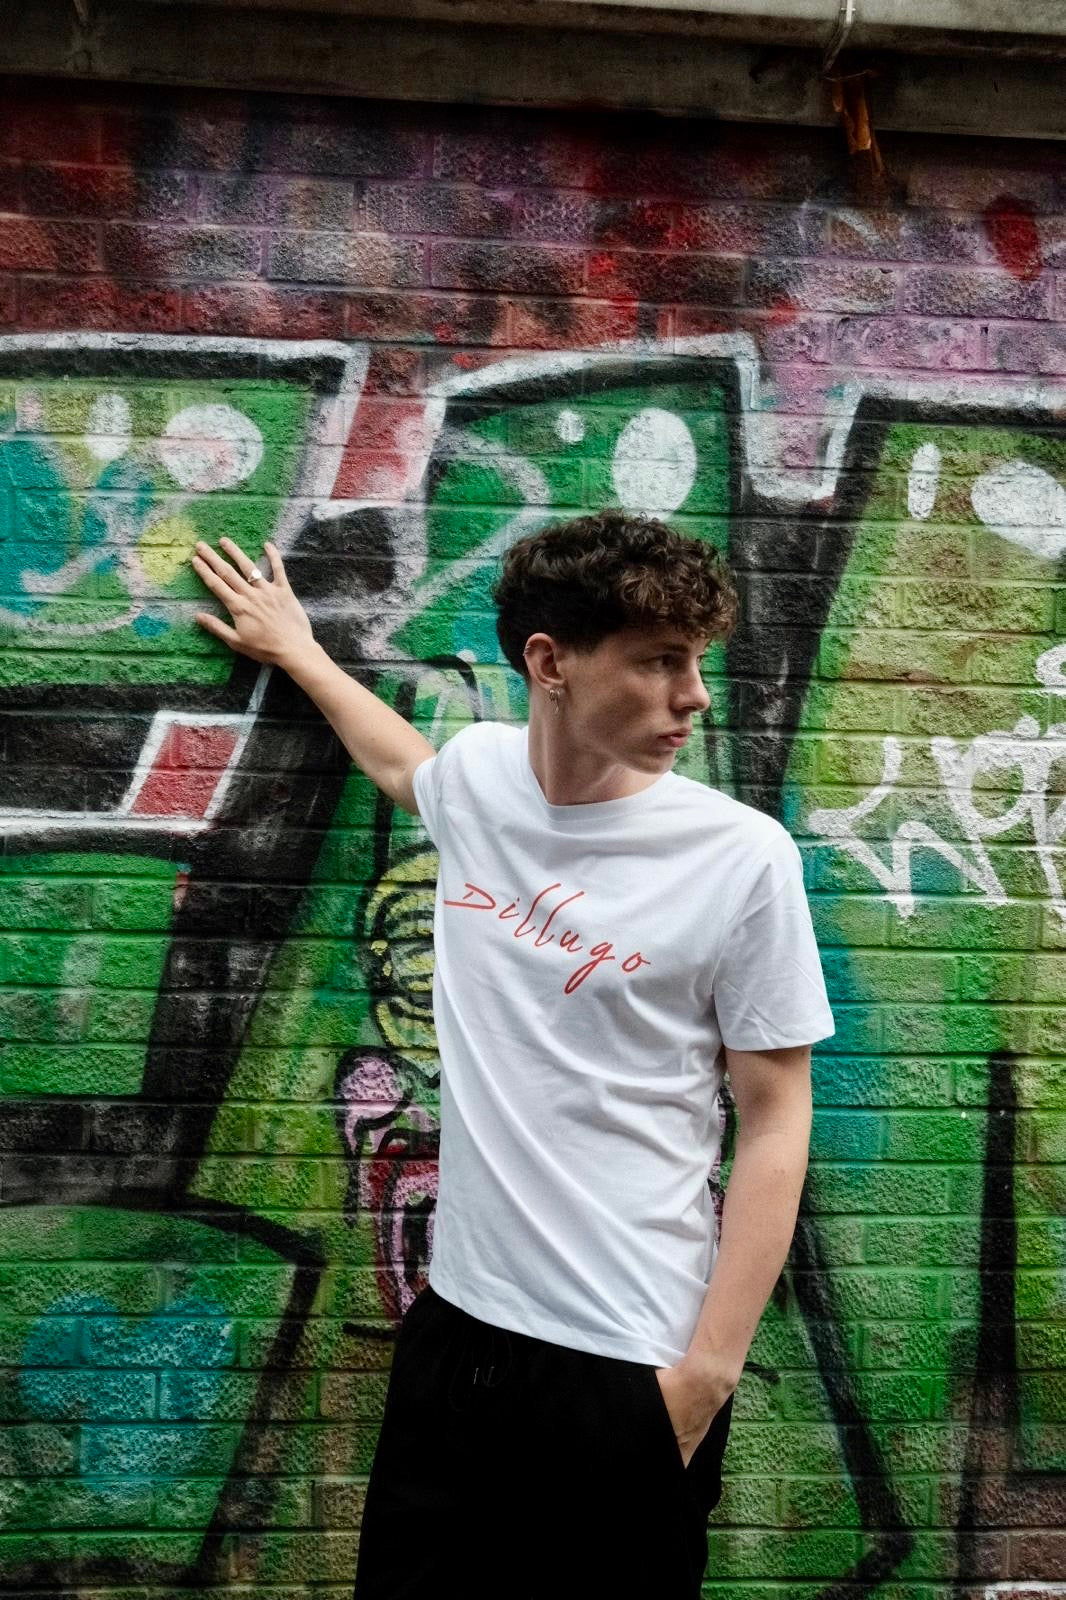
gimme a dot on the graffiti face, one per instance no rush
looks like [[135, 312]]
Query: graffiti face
[[393, 1147]]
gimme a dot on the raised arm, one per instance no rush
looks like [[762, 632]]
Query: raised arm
[[270, 625]]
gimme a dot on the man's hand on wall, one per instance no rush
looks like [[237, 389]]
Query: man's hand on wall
[[269, 623]]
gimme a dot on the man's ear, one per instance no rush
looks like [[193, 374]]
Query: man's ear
[[542, 662]]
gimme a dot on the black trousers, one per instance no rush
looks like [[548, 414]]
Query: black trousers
[[510, 1466]]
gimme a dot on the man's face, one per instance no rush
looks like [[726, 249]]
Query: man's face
[[632, 699]]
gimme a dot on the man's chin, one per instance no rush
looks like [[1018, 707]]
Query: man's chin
[[656, 760]]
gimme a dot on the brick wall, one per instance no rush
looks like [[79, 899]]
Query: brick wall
[[394, 339]]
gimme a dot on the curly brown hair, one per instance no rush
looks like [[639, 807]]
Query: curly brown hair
[[582, 580]]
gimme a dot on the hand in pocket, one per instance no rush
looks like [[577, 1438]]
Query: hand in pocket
[[691, 1406]]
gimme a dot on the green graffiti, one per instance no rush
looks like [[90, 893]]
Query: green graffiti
[[945, 834], [107, 487], [83, 961], [206, 1318]]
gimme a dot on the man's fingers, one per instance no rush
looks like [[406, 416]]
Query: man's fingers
[[277, 566], [220, 629], [226, 592], [242, 562], [221, 567]]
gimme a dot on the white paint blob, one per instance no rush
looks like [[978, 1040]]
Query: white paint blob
[[654, 464], [570, 427], [1024, 504], [210, 447], [110, 428], [923, 480], [1050, 669]]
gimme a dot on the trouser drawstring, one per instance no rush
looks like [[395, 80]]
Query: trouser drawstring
[[485, 1357]]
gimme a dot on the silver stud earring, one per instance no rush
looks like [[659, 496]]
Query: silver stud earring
[[553, 696]]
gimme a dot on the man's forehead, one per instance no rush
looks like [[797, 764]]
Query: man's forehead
[[661, 636]]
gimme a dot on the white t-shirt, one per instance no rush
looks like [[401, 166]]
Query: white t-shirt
[[591, 960]]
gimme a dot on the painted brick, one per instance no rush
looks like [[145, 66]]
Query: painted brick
[[434, 208], [27, 245], [289, 202], [706, 159], [435, 319], [185, 253], [971, 186], [82, 191], [10, 185], [329, 145], [521, 149], [1018, 347], [98, 303], [542, 324], [942, 291], [686, 278], [561, 216], [907, 342], [263, 311], [903, 1189], [370, 261], [50, 1448], [832, 288], [303, 1558], [795, 1554], [46, 126], [527, 269], [310, 144]]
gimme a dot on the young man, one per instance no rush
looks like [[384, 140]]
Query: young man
[[608, 938]]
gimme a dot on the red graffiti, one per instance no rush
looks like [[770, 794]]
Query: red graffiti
[[783, 311], [1011, 229]]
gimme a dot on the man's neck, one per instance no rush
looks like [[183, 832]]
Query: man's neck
[[572, 775]]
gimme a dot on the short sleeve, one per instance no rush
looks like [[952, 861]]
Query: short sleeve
[[769, 991], [426, 783]]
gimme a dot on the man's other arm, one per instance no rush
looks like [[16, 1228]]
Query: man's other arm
[[772, 1093], [269, 624]]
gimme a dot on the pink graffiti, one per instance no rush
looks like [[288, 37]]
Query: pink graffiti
[[392, 1147]]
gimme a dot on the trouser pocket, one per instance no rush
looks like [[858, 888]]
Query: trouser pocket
[[703, 1474], [662, 1440]]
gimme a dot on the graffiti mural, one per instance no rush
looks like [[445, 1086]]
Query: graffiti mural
[[219, 1084], [158, 825], [935, 1386]]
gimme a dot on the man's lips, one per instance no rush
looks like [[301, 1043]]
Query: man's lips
[[676, 740]]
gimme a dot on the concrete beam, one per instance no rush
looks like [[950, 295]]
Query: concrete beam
[[242, 48], [936, 26]]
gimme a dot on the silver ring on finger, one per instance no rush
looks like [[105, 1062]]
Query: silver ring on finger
[[255, 576]]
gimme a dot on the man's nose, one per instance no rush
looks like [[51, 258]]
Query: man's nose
[[692, 694]]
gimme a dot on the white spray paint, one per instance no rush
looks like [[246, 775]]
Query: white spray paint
[[208, 447], [654, 465], [109, 428], [923, 481], [1049, 667], [1022, 749], [1024, 504], [1021, 1590], [570, 426]]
